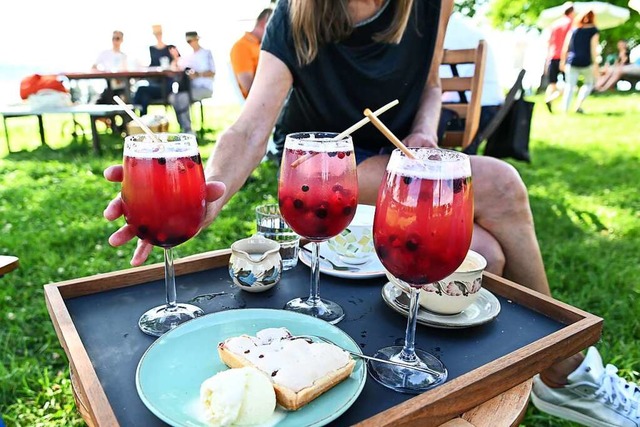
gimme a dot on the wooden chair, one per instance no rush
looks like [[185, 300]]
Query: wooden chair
[[469, 111], [8, 264]]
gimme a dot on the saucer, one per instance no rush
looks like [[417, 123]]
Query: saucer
[[484, 309], [372, 268]]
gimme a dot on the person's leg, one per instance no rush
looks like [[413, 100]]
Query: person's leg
[[487, 246], [181, 104], [370, 173], [552, 91], [587, 87], [571, 80], [502, 209]]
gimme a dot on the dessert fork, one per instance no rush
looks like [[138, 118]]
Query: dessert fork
[[423, 369]]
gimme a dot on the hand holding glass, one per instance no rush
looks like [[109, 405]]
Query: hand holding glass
[[422, 231], [163, 195], [318, 198]]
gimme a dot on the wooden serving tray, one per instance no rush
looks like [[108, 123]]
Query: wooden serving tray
[[95, 319]]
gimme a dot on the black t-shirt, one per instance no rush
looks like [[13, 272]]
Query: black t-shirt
[[156, 54], [331, 93], [579, 53]]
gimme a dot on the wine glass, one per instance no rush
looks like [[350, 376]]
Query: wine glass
[[422, 231], [163, 194], [318, 197]]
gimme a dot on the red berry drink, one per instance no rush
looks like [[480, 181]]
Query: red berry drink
[[164, 194], [424, 218], [421, 231], [319, 196]]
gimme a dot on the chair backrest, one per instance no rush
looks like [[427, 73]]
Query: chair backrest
[[468, 109]]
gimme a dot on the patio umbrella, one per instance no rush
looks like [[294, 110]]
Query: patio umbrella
[[607, 15], [634, 4]]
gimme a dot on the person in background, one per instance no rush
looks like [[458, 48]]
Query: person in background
[[558, 34], [613, 69], [160, 56], [113, 59], [320, 66], [197, 84], [246, 51], [580, 58], [463, 34]]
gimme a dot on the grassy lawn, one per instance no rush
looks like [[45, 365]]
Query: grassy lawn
[[583, 192]]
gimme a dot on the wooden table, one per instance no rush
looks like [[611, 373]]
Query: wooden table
[[490, 366], [8, 264], [153, 73], [95, 112]]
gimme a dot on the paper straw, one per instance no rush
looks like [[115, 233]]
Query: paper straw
[[386, 132], [365, 120], [349, 130], [136, 119]]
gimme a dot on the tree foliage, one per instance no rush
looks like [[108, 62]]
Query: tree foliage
[[508, 14]]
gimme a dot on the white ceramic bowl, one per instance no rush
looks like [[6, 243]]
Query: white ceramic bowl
[[457, 291]]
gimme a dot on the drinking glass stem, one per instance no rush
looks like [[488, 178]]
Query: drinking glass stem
[[314, 298], [408, 353], [170, 280]]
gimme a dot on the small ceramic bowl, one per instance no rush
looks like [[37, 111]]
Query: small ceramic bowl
[[355, 244], [255, 264], [456, 292]]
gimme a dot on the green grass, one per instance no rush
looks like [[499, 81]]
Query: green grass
[[583, 186]]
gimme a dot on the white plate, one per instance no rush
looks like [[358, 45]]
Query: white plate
[[372, 268], [484, 309]]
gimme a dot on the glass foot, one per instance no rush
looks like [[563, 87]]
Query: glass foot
[[323, 309], [159, 320], [406, 380]]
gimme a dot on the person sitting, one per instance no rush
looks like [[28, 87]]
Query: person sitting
[[319, 68], [199, 70], [615, 67], [160, 56], [246, 51], [113, 59]]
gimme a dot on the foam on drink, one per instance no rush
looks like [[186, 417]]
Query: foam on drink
[[145, 147], [430, 164]]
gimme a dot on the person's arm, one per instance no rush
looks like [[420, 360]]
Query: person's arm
[[424, 131], [236, 154], [243, 145], [595, 42]]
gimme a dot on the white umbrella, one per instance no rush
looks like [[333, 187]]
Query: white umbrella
[[634, 4], [607, 15]]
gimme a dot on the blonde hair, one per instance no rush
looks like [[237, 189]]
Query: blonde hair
[[318, 22]]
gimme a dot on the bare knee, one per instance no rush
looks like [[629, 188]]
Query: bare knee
[[498, 189]]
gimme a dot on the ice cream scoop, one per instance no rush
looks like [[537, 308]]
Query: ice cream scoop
[[240, 397]]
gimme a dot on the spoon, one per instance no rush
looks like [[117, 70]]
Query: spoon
[[423, 369], [334, 265]]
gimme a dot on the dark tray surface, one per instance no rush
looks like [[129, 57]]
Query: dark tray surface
[[107, 325]]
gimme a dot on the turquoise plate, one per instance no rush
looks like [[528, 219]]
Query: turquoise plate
[[170, 372]]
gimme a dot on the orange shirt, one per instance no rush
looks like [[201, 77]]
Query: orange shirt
[[244, 56]]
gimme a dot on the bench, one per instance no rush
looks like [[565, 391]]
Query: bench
[[95, 112]]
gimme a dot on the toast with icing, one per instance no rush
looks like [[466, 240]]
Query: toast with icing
[[299, 369]]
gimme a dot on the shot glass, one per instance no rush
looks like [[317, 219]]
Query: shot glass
[[270, 224]]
